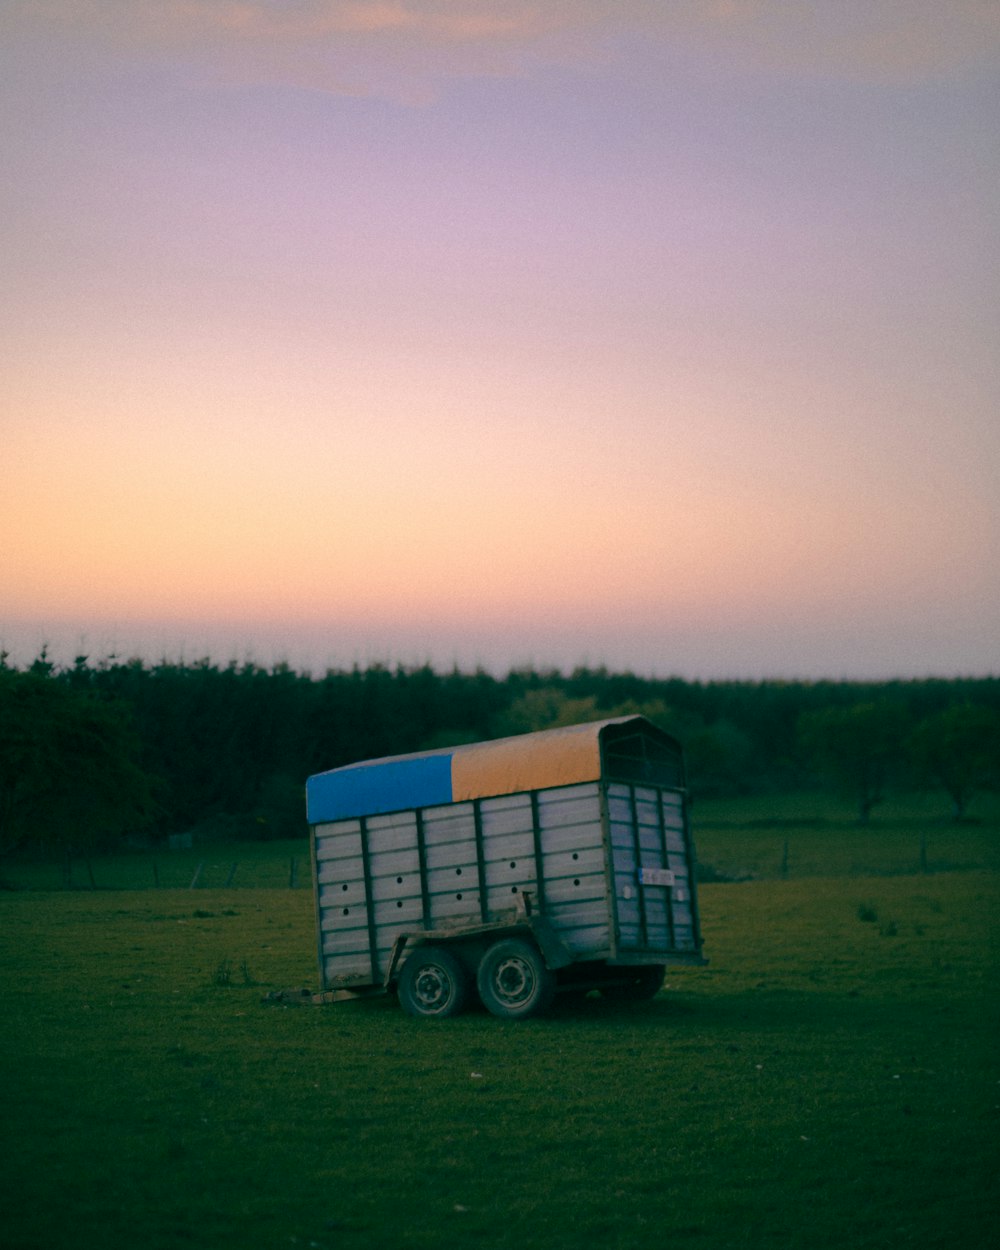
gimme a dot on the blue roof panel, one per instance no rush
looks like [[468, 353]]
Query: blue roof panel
[[389, 785]]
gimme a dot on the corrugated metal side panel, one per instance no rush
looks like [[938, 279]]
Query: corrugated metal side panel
[[508, 850], [572, 890], [647, 831], [423, 871], [394, 867], [682, 896], [573, 867], [625, 866], [344, 945], [453, 886]]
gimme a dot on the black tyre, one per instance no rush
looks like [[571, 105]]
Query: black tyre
[[638, 984], [433, 983], [513, 981]]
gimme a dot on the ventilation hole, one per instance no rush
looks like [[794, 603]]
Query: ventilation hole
[[576, 881], [576, 855], [459, 897], [347, 911], [344, 887], [513, 889], [399, 880], [400, 903], [458, 872], [513, 863]]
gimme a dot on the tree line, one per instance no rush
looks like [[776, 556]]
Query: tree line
[[94, 752]]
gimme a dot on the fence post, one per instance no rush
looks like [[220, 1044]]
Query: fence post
[[197, 874], [232, 873]]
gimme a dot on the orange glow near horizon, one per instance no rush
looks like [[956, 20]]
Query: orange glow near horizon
[[189, 524]]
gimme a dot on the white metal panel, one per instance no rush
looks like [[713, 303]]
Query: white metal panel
[[392, 832], [583, 928], [346, 942], [455, 904], [507, 814], [449, 824], [342, 837], [341, 901], [337, 870], [451, 878], [509, 846], [574, 805], [393, 863], [398, 913], [341, 895], [451, 855], [508, 850], [395, 888], [572, 890], [567, 863]]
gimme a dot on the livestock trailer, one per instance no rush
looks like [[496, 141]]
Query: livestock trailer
[[558, 860]]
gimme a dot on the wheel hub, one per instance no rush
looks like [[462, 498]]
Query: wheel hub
[[432, 987], [514, 980]]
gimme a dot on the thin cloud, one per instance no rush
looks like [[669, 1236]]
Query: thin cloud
[[172, 23], [402, 46], [863, 39]]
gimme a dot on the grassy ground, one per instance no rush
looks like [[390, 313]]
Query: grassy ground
[[829, 1080]]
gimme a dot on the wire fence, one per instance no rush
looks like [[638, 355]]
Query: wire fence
[[237, 867], [726, 853]]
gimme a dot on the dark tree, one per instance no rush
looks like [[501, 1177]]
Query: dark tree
[[858, 747], [959, 749], [69, 763]]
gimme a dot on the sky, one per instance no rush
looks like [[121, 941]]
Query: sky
[[647, 334]]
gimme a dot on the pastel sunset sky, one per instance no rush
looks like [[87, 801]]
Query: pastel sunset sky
[[661, 335]]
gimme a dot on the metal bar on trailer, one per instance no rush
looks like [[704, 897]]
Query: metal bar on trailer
[[611, 881], [692, 884], [661, 821], [425, 897], [536, 831], [314, 856], [477, 821], [637, 842], [366, 869]]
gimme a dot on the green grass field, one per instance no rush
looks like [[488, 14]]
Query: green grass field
[[831, 1079]]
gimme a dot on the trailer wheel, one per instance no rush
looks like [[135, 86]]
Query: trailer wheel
[[513, 981], [642, 983], [433, 983]]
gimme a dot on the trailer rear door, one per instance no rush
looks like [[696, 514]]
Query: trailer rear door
[[651, 866]]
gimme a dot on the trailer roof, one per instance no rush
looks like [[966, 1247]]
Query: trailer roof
[[533, 761]]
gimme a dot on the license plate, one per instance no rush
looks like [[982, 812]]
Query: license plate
[[655, 876]]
